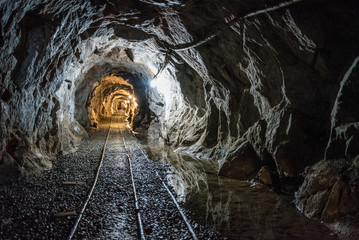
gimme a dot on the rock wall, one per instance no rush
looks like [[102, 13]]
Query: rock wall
[[331, 187], [264, 89]]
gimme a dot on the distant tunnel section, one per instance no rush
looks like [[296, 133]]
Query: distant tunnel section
[[112, 96], [121, 91]]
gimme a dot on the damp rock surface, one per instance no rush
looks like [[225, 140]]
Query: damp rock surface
[[330, 190], [233, 207], [243, 165], [270, 79], [281, 77]]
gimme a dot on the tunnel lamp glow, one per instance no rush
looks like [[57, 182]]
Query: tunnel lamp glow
[[161, 83], [130, 96], [153, 83]]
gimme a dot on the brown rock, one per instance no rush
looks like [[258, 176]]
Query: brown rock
[[242, 164], [265, 176], [343, 200], [325, 195]]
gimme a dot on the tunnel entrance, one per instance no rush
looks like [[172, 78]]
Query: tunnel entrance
[[112, 96]]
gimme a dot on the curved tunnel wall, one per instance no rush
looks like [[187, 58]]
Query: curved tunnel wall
[[266, 88]]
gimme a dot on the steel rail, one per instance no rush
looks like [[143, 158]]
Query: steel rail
[[73, 230], [190, 229], [139, 219]]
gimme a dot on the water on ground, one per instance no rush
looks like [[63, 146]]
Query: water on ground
[[232, 207]]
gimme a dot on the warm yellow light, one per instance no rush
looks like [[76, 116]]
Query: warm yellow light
[[130, 96]]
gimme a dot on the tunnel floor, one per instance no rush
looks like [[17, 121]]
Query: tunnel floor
[[46, 207]]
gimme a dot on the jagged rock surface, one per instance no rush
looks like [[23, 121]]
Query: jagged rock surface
[[269, 81], [331, 187], [330, 190]]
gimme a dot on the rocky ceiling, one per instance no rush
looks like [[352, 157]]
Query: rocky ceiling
[[245, 83]]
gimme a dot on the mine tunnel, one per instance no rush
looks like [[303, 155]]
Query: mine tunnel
[[179, 119], [112, 96]]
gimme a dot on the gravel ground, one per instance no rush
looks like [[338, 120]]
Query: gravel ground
[[213, 204], [29, 206]]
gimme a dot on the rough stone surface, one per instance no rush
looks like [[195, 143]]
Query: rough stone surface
[[243, 164], [284, 81], [344, 136], [330, 190], [265, 176]]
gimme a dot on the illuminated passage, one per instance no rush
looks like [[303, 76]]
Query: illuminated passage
[[113, 96]]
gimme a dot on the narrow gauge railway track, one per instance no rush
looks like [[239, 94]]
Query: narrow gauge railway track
[[190, 229], [137, 203]]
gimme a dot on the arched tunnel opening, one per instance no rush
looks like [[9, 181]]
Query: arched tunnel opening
[[153, 119], [115, 96], [120, 91]]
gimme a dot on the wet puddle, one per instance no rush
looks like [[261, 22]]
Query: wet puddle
[[231, 207]]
